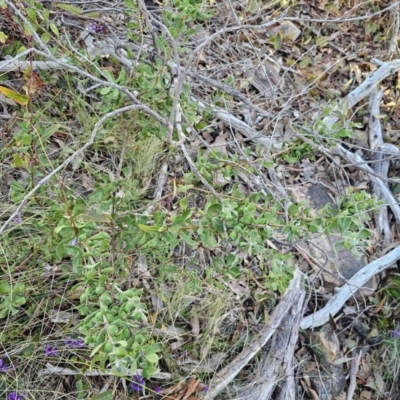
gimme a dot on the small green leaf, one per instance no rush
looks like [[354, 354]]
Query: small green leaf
[[160, 43], [108, 75], [150, 229], [72, 9], [185, 188], [214, 210], [119, 370], [293, 209], [49, 131], [31, 13], [153, 358], [278, 42], [207, 239], [4, 287], [18, 161], [304, 62], [96, 349], [55, 30], [343, 224], [188, 239], [171, 239], [105, 90], [364, 233], [46, 37], [107, 395]]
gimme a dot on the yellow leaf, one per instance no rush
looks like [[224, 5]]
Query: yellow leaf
[[21, 99], [18, 161], [3, 37]]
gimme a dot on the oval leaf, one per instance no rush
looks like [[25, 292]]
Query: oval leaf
[[20, 99]]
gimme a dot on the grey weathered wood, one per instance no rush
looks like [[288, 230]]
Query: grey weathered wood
[[336, 302]]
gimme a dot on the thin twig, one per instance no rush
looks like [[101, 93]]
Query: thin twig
[[343, 20]]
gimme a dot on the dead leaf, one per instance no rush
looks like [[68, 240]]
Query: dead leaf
[[12, 97], [266, 78], [191, 388], [87, 182], [142, 267], [33, 81], [158, 304], [286, 29], [220, 144], [219, 180], [60, 317]]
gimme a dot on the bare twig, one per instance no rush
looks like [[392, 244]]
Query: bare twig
[[355, 363], [375, 130], [343, 20], [161, 180], [381, 167], [395, 31]]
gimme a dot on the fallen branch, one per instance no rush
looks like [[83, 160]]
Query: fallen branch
[[336, 303], [385, 69], [381, 167], [387, 195], [276, 369], [354, 365], [222, 379]]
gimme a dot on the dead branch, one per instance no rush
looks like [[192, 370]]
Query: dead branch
[[275, 368], [354, 365], [226, 376], [335, 304], [381, 167], [395, 31], [343, 20], [359, 162]]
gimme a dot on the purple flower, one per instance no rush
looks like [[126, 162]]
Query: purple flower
[[190, 264], [50, 351], [18, 220], [15, 396], [205, 388], [157, 389], [95, 27], [74, 343], [395, 334], [74, 242], [92, 27], [3, 366], [137, 383]]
